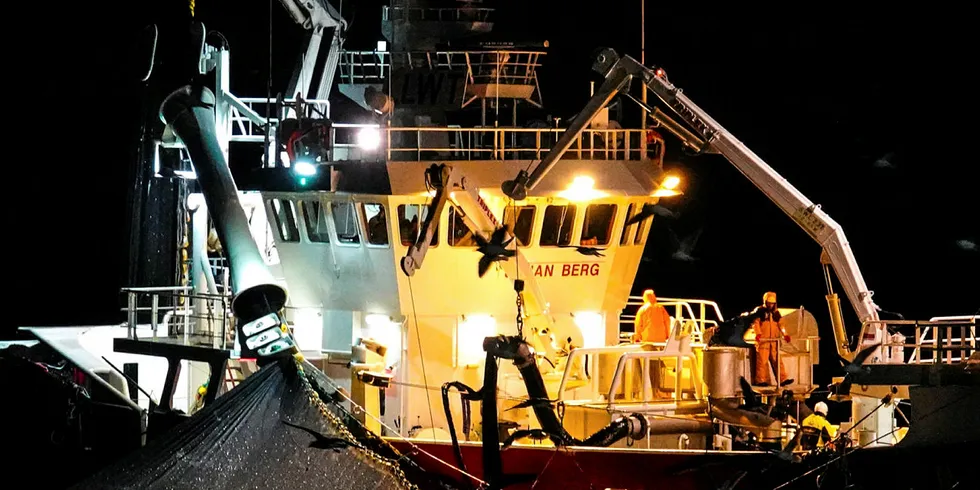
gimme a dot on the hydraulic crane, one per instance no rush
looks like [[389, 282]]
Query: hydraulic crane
[[496, 242], [312, 76], [710, 137]]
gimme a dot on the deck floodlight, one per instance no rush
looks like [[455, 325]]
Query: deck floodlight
[[368, 138], [304, 168]]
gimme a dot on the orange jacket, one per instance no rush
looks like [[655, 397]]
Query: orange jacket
[[767, 328], [652, 324]]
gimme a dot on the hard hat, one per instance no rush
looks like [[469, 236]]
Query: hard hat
[[821, 408], [769, 297]]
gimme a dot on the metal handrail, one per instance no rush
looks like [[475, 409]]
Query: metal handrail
[[699, 322], [217, 307], [439, 14], [497, 143], [591, 352], [934, 337], [646, 356]]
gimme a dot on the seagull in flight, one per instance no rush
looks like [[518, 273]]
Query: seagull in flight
[[684, 248]]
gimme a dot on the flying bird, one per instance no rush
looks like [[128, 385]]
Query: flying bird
[[321, 441], [885, 162], [595, 252], [533, 434], [493, 250], [853, 368], [534, 402], [684, 248], [967, 245], [650, 210]]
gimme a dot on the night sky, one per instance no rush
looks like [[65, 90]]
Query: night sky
[[870, 114]]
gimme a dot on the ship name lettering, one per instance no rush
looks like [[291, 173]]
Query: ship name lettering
[[567, 270]]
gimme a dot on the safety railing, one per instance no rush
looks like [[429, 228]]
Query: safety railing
[[364, 66], [583, 374], [453, 143], [482, 66], [694, 315], [619, 392], [185, 317], [449, 143], [436, 14], [477, 67], [248, 121], [948, 341]]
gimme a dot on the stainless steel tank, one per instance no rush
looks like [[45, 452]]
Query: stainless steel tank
[[722, 368]]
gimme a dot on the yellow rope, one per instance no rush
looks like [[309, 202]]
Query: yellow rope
[[191, 5]]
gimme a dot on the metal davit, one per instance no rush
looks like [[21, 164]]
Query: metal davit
[[257, 299]]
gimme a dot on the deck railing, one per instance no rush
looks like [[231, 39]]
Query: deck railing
[[176, 313], [938, 341], [695, 315], [436, 14]]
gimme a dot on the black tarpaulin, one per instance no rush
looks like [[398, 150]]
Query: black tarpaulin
[[266, 433]]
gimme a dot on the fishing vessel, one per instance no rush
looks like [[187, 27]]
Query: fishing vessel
[[423, 236]]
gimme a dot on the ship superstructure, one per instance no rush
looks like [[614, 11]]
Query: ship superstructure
[[438, 237]]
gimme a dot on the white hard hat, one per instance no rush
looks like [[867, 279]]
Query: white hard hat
[[821, 408]]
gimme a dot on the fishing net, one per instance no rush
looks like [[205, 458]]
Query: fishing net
[[280, 428]]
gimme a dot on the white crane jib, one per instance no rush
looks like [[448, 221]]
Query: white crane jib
[[451, 186], [709, 136], [316, 16]]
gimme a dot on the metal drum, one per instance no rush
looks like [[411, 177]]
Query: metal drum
[[722, 368]]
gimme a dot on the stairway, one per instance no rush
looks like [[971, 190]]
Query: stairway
[[236, 370]]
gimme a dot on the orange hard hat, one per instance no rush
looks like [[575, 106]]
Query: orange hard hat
[[769, 297]]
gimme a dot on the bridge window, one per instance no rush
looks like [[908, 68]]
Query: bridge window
[[284, 212], [598, 224], [410, 219], [557, 227], [460, 235], [316, 222], [345, 220], [642, 231], [627, 236], [520, 222], [377, 223]]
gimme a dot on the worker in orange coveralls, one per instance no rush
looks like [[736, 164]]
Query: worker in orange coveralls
[[768, 331], [652, 323]]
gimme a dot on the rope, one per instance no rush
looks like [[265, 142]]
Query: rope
[[190, 4], [372, 458], [397, 434], [418, 339]]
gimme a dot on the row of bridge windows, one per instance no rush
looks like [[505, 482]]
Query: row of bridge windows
[[556, 230]]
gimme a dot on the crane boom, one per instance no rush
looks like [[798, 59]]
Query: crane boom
[[714, 138], [452, 188], [314, 74]]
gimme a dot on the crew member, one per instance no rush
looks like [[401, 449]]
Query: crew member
[[768, 331], [652, 323], [378, 228], [816, 431]]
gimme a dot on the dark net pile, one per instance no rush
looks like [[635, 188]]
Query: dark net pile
[[271, 431]]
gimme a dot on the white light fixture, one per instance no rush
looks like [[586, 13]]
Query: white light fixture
[[470, 332], [304, 168], [368, 138], [668, 187], [376, 320], [388, 333], [382, 46], [582, 188], [592, 326]]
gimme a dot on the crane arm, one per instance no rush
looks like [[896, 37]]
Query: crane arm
[[818, 224], [451, 188], [709, 136], [316, 16]]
